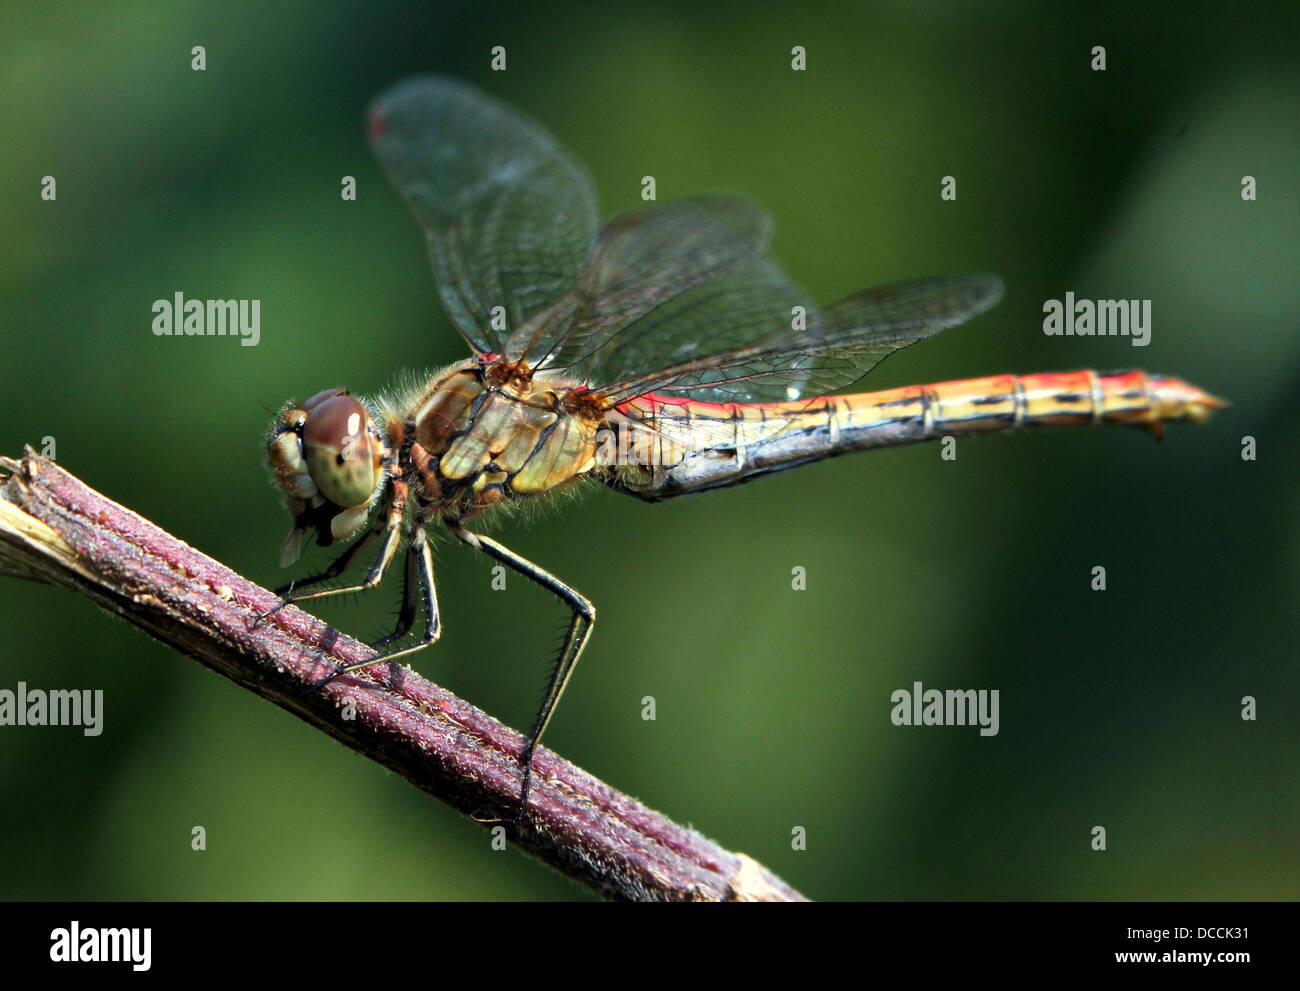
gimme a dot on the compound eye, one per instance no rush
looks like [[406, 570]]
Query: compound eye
[[345, 461], [320, 397]]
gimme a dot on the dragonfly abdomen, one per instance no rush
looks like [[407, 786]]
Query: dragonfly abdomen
[[1005, 402], [722, 444]]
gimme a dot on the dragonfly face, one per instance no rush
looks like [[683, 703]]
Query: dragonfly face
[[329, 460], [663, 354]]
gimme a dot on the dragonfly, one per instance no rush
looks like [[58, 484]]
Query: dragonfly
[[664, 353]]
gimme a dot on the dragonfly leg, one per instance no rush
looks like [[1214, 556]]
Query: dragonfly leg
[[419, 574], [418, 578], [388, 524], [411, 585], [338, 565], [584, 619]]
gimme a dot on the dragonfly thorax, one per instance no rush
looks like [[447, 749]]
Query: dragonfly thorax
[[487, 432]]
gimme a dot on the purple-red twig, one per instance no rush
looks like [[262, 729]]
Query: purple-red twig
[[54, 528]]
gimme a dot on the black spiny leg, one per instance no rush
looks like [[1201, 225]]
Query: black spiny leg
[[410, 601], [389, 524], [338, 565], [419, 563], [584, 618]]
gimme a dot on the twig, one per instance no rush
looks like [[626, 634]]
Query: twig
[[54, 528]]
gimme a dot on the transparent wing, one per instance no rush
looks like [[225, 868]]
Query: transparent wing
[[847, 341], [509, 214], [640, 263], [757, 302]]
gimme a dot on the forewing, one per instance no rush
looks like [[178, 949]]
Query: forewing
[[509, 213], [851, 338], [641, 262], [757, 302]]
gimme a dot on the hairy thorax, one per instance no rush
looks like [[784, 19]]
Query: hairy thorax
[[494, 433]]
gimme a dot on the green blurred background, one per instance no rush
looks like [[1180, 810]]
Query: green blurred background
[[1119, 709]]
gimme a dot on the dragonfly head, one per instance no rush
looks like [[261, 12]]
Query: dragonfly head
[[328, 458]]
